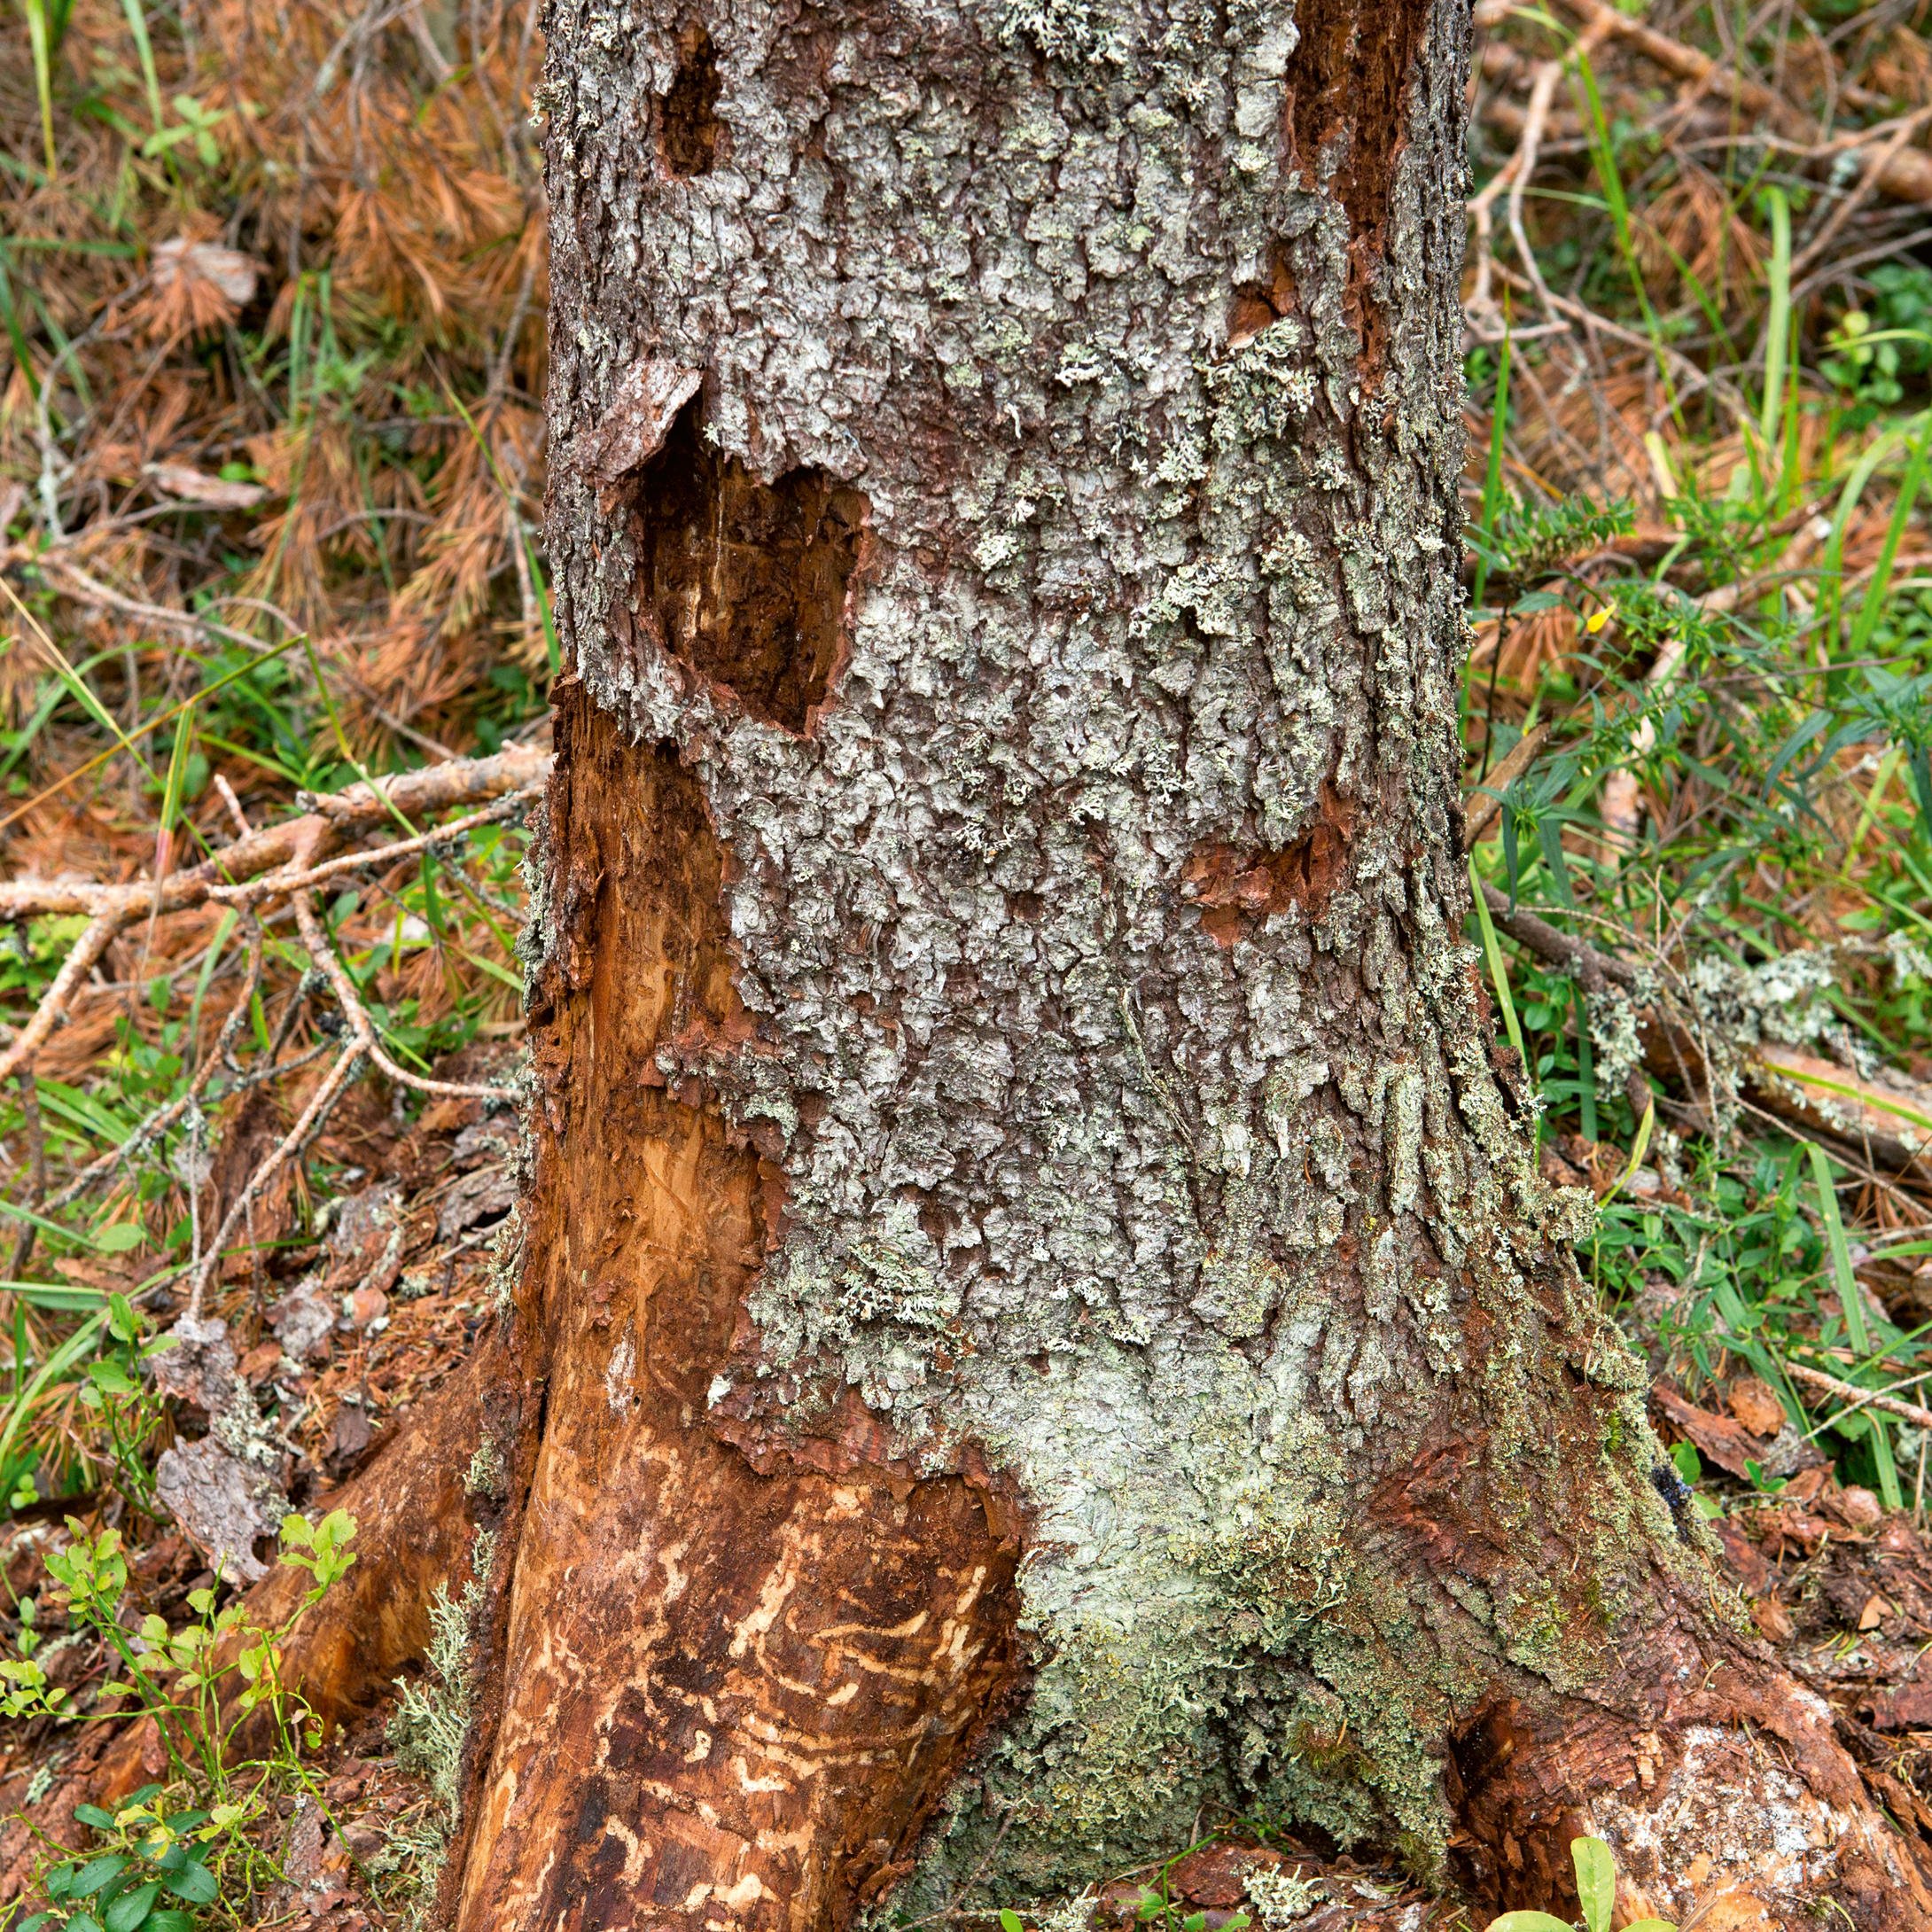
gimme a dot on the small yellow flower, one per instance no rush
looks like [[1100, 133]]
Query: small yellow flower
[[1597, 619]]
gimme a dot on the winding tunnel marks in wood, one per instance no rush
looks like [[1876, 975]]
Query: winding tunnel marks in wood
[[739, 1678]]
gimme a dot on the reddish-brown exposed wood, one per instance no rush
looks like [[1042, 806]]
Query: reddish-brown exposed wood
[[1346, 121], [734, 1687], [1235, 887], [747, 582]]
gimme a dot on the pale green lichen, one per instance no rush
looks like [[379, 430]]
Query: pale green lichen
[[1279, 1897], [487, 1474], [431, 1724], [1077, 32]]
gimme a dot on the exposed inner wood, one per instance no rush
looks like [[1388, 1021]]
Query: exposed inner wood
[[1346, 109], [1235, 887], [734, 1689], [688, 128]]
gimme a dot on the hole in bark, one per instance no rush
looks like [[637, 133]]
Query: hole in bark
[[1347, 87], [689, 127], [747, 582]]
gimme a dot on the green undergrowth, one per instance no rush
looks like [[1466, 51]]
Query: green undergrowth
[[1756, 651], [205, 1846]]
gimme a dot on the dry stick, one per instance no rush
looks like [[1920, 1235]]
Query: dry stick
[[1488, 799], [292, 844], [334, 1084], [434, 788], [1542, 92], [88, 951], [284, 884], [1905, 176], [1515, 175], [1596, 972], [364, 1029], [1867, 187], [1863, 1398], [163, 1117], [294, 847]]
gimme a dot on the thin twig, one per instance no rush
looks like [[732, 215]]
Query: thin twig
[[362, 1029], [334, 1085], [1864, 1398], [89, 949]]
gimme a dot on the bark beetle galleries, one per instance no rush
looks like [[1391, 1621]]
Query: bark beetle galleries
[[737, 1684], [1262, 1209]]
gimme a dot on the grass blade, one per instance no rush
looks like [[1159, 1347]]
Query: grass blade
[[1873, 607], [1492, 476], [1498, 972], [1586, 1072], [40, 36], [1777, 322], [63, 1359], [1852, 1305], [1638, 1147], [137, 25]]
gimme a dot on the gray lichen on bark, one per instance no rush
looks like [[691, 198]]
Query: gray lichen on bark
[[1117, 1040]]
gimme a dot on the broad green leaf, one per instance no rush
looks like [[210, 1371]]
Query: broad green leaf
[[1530, 1921], [95, 1874], [195, 1884], [1596, 1880], [128, 1911]]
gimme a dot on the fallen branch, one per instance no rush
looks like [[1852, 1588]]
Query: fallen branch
[[1857, 1398], [280, 861], [1890, 1120], [1487, 798], [327, 819], [1903, 173]]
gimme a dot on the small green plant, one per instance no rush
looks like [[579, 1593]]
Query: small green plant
[[196, 127], [152, 1862], [1875, 351], [192, 1840], [1596, 1888]]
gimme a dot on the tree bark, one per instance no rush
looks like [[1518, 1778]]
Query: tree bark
[[1038, 1316]]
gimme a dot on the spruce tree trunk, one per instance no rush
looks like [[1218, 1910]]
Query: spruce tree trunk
[[1038, 1317]]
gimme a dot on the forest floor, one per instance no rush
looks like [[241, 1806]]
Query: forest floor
[[272, 471]]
